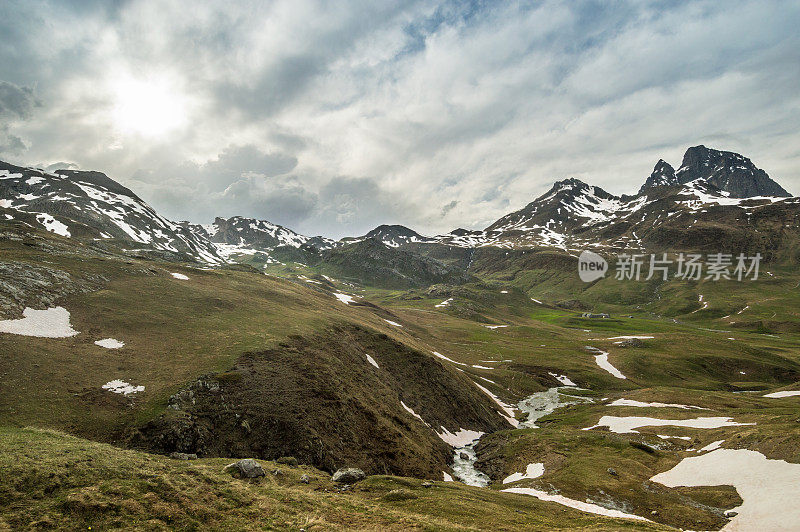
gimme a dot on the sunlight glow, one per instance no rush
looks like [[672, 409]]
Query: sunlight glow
[[149, 108]]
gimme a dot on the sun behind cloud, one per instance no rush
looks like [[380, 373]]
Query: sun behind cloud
[[147, 107]]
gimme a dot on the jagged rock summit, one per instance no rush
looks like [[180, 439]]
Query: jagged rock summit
[[728, 171]]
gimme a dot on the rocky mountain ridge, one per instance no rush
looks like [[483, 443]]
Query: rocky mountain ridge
[[709, 185]]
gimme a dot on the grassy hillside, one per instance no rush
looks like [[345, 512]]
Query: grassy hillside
[[277, 365], [52, 480]]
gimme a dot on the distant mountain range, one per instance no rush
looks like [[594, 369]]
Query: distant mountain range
[[712, 193]]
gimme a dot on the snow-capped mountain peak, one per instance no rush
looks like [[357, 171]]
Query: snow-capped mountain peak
[[91, 205]]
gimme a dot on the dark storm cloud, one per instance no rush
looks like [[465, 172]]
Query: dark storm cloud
[[16, 102]]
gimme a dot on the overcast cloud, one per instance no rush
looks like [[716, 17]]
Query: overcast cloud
[[333, 117]]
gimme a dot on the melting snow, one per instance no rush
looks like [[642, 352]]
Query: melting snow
[[712, 446], [532, 471], [444, 303], [110, 343], [448, 359], [778, 395], [53, 225], [372, 361], [769, 489], [344, 298], [180, 276], [602, 361], [495, 326], [410, 411], [563, 379], [50, 323], [390, 322], [125, 388], [572, 503], [640, 404], [624, 425], [447, 478], [460, 438], [509, 411]]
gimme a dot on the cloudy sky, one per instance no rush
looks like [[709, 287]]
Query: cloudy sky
[[333, 117]]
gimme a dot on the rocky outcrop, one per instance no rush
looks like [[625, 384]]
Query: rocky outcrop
[[320, 400], [728, 171], [349, 475], [663, 175]]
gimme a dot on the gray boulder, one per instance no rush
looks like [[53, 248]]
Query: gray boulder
[[247, 468], [348, 475]]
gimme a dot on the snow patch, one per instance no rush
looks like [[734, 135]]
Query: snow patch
[[110, 343], [509, 410], [535, 470], [410, 411], [572, 503], [778, 395], [461, 438], [640, 404], [602, 360], [125, 388], [563, 379], [372, 361], [393, 323], [344, 298], [50, 323], [448, 359], [711, 446], [180, 276], [53, 225], [769, 489], [625, 425]]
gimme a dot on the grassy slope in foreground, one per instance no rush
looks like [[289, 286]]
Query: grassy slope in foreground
[[49, 479]]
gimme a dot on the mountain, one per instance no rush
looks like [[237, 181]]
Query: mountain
[[92, 206], [680, 210], [395, 235], [574, 216], [709, 186], [249, 235], [372, 262], [728, 171], [663, 175]]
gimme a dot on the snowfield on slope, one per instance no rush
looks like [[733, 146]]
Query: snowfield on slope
[[640, 404], [572, 503], [778, 395], [602, 360], [770, 489], [49, 323], [625, 425], [461, 437], [532, 471]]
